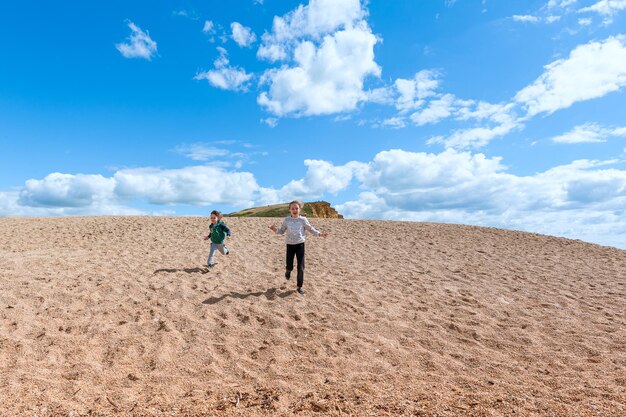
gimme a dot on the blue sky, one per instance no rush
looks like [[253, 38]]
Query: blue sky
[[484, 112]]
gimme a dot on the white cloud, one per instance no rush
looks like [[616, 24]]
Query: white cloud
[[327, 50], [321, 177], [78, 194], [413, 92], [584, 22], [197, 185], [500, 120], [584, 199], [589, 133], [139, 44], [65, 195], [270, 121], [242, 35], [190, 14], [225, 76], [64, 190], [476, 137], [606, 8], [436, 111], [497, 113], [208, 27], [406, 179], [560, 3], [526, 18], [326, 79], [394, 122], [318, 18], [10, 206], [272, 53], [200, 151], [381, 95], [591, 71]]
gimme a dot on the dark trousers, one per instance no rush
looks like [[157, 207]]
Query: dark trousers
[[298, 251]]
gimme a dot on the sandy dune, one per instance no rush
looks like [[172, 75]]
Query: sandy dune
[[118, 316]]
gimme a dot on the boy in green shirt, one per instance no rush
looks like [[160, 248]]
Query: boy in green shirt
[[218, 231]]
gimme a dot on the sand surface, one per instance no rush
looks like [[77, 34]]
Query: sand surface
[[119, 316]]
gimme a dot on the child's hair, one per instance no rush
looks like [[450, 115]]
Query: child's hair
[[217, 213], [298, 202]]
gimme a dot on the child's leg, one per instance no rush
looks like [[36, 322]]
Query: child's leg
[[211, 254], [291, 252], [222, 248], [300, 258]]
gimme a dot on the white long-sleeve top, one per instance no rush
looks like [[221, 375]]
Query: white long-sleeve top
[[295, 228]]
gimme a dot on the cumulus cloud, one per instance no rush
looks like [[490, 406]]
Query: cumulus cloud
[[316, 19], [589, 133], [242, 35], [66, 190], [329, 50], [408, 179], [583, 199], [197, 185], [272, 52], [225, 76], [139, 44], [11, 206], [591, 71], [326, 79], [64, 195], [321, 177], [71, 194]]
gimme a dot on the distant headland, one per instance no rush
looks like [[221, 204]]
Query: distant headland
[[319, 209]]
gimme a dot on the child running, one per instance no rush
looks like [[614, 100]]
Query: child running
[[295, 226], [217, 233]]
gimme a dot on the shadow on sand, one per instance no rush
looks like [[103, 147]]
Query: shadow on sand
[[270, 294], [187, 270]]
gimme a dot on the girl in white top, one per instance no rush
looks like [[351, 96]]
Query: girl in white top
[[295, 226]]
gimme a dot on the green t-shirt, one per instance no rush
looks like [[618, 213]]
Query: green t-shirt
[[218, 232]]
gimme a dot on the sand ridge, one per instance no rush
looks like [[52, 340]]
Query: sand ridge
[[119, 316]]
